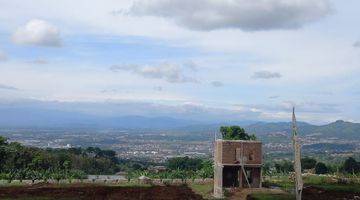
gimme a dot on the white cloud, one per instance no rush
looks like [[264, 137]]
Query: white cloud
[[158, 88], [357, 44], [231, 55], [243, 14], [38, 32], [172, 73], [265, 75], [217, 83], [39, 61], [3, 56], [274, 97], [7, 87]]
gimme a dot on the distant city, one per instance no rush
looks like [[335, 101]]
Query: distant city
[[159, 145]]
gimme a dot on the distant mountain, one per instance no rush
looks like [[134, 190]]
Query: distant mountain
[[140, 122], [43, 117], [213, 127], [339, 129], [19, 117], [25, 117], [272, 127], [29, 117]]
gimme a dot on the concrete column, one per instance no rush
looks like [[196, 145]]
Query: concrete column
[[218, 181], [240, 177]]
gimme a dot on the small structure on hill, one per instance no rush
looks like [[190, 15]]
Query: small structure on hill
[[237, 163]]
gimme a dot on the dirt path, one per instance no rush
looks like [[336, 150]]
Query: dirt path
[[241, 194]]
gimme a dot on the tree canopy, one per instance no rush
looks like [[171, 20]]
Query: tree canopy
[[14, 156], [308, 163], [351, 165], [184, 163], [321, 168], [235, 133]]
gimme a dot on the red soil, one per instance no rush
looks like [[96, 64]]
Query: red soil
[[311, 193], [98, 192]]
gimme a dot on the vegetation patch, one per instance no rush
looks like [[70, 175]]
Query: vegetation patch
[[205, 190]]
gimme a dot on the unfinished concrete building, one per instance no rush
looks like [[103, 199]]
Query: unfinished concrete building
[[237, 163]]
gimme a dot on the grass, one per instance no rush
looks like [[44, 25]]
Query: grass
[[282, 182], [327, 183], [267, 196], [205, 190]]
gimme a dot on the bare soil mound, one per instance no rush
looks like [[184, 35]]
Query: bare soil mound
[[98, 192], [311, 193]]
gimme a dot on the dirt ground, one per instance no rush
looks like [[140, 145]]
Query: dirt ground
[[311, 193], [98, 192], [242, 194]]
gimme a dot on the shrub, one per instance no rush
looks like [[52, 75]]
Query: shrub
[[320, 168], [308, 163], [351, 166]]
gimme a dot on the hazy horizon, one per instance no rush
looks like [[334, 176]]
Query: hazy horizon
[[207, 60]]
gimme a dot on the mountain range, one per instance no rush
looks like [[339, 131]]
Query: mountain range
[[19, 118]]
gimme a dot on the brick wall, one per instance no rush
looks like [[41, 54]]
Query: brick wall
[[251, 151]]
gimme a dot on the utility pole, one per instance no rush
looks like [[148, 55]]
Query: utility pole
[[297, 157]]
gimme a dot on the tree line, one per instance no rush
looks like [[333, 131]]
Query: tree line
[[349, 166], [22, 162], [178, 168]]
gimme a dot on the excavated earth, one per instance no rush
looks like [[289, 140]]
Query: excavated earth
[[97, 192], [311, 193]]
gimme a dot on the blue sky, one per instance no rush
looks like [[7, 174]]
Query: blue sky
[[250, 59]]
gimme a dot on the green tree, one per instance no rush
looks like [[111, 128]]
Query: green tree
[[321, 168], [235, 133], [351, 166], [184, 163], [3, 141], [207, 169], [308, 163], [284, 167]]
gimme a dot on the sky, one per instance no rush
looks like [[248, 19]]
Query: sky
[[221, 59]]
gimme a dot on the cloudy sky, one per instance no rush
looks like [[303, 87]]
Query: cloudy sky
[[250, 59]]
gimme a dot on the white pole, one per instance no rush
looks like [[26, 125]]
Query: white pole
[[297, 159]]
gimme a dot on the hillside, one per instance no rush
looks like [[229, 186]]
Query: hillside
[[340, 129], [18, 117]]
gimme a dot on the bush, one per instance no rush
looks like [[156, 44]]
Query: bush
[[320, 168], [77, 174], [308, 163], [33, 175], [58, 175], [21, 174], [284, 167], [184, 163], [351, 166], [10, 176]]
